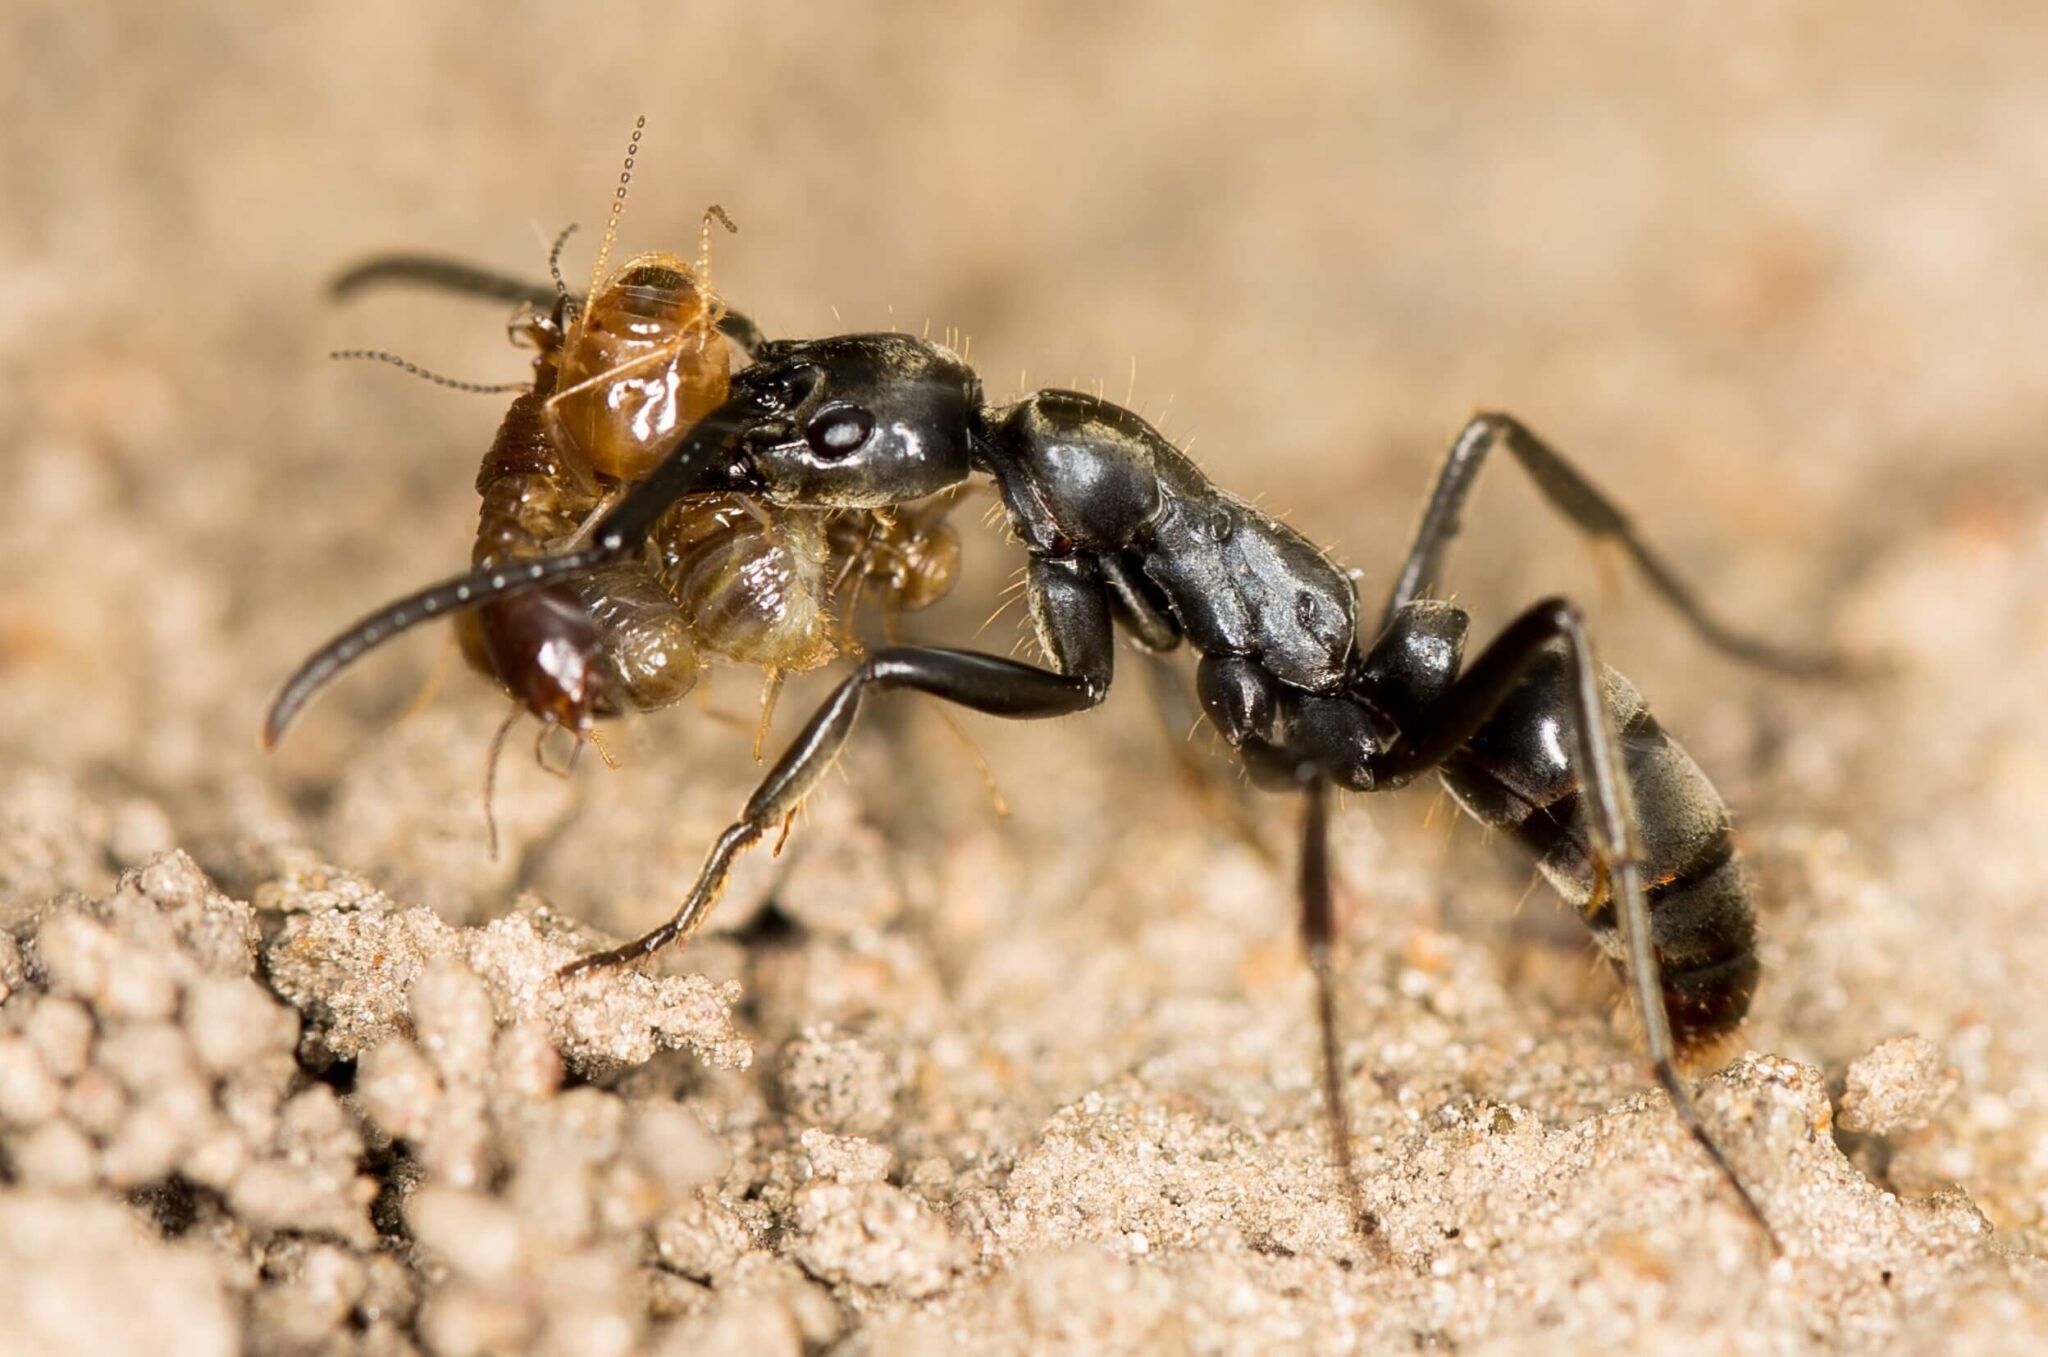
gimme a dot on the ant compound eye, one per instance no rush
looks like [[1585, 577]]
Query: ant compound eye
[[839, 431]]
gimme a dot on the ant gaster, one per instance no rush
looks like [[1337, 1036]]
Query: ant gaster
[[1122, 531]]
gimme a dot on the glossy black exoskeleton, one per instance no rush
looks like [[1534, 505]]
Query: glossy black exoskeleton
[[1122, 530]]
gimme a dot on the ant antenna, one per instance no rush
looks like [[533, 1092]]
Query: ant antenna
[[555, 260], [406, 365], [711, 214], [611, 225]]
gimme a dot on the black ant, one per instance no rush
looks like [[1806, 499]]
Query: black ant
[[1122, 531]]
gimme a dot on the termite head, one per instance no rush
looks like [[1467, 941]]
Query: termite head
[[543, 647], [543, 332], [855, 422]]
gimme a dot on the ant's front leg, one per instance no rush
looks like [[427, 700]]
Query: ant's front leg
[[1071, 609]]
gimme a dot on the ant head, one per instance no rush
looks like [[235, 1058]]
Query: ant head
[[857, 421]]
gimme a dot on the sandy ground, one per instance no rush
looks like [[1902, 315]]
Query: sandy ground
[[277, 1069]]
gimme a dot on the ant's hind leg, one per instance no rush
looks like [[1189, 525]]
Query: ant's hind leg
[[1593, 513], [1616, 844], [1073, 617]]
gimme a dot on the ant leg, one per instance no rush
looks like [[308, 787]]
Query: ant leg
[[1594, 514], [1073, 615], [1155, 634], [1318, 940], [1210, 779], [770, 691], [1138, 609], [441, 274], [1617, 848]]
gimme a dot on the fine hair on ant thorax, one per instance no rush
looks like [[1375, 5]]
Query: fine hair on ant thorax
[[1122, 533]]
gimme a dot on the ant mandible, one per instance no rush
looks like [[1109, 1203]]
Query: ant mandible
[[1122, 531]]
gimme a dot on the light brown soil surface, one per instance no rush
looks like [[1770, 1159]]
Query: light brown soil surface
[[278, 1068]]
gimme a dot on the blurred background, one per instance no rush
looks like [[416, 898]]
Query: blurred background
[[1774, 274]]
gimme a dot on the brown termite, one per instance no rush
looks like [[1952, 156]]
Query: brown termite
[[618, 380]]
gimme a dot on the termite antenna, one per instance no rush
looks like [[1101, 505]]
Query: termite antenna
[[555, 261], [491, 778], [611, 224], [713, 213], [407, 365]]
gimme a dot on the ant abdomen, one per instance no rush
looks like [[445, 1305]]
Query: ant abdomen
[[1517, 774], [645, 362]]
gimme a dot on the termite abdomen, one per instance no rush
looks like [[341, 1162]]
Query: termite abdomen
[[644, 640], [752, 580], [541, 646], [645, 363], [909, 557]]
